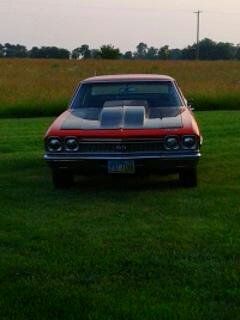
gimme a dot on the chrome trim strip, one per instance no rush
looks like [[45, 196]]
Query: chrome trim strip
[[128, 141], [68, 157]]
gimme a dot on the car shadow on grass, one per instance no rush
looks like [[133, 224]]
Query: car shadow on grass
[[126, 183]]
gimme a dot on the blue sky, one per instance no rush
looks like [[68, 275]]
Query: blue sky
[[70, 23]]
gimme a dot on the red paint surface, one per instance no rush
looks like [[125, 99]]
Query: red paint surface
[[190, 127]]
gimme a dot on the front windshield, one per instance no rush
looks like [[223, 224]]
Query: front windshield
[[149, 94]]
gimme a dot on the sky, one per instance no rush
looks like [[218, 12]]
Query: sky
[[122, 23]]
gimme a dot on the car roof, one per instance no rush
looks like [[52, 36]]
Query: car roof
[[128, 77]]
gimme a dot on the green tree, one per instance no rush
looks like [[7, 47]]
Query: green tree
[[109, 52], [75, 53], [175, 54], [128, 55], [237, 55], [35, 52], [141, 50], [152, 53], [164, 53], [15, 51], [49, 53], [189, 53], [225, 51], [1, 50], [96, 54], [82, 51], [207, 49]]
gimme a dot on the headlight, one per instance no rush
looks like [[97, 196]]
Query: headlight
[[71, 144], [54, 145], [171, 143], [189, 142]]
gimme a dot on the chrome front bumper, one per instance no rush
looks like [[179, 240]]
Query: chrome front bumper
[[160, 156], [87, 164]]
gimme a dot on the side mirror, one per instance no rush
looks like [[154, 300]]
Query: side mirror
[[190, 102], [191, 108]]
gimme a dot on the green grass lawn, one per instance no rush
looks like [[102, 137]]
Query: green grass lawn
[[129, 249]]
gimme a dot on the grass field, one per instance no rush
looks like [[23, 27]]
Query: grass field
[[125, 249], [44, 87]]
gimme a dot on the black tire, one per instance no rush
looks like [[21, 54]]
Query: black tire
[[188, 177], [62, 179]]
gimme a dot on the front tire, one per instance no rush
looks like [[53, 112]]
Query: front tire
[[62, 179], [188, 177]]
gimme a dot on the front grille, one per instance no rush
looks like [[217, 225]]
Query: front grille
[[121, 147]]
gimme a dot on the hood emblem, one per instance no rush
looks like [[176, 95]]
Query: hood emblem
[[121, 148]]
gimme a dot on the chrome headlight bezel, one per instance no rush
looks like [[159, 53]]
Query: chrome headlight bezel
[[57, 140], [168, 147], [191, 147], [67, 148]]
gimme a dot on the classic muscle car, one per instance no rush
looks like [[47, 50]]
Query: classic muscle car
[[125, 124]]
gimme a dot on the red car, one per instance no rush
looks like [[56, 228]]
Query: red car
[[125, 124]]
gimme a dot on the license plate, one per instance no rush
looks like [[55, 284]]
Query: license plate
[[121, 166]]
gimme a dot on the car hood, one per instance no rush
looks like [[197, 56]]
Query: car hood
[[123, 117]]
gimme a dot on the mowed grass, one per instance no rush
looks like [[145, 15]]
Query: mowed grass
[[129, 249], [44, 87]]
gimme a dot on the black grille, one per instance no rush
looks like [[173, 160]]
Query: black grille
[[121, 147]]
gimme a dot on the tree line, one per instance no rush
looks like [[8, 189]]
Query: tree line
[[208, 50]]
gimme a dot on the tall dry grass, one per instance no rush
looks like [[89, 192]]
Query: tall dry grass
[[44, 87]]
